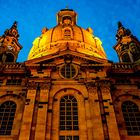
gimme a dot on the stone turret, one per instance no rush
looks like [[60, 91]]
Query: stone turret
[[128, 46], [9, 45]]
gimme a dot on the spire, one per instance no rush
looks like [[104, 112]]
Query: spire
[[13, 32], [14, 25], [67, 7], [120, 24], [121, 32]]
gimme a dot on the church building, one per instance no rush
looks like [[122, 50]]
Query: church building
[[67, 89]]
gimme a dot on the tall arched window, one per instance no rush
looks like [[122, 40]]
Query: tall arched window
[[131, 116], [68, 117], [68, 113], [7, 113]]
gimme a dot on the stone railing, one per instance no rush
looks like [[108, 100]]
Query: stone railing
[[122, 66], [15, 66]]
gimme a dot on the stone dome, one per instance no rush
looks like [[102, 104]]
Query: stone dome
[[67, 35]]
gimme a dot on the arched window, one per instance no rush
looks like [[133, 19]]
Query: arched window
[[68, 113], [126, 58], [7, 113], [9, 57], [131, 116]]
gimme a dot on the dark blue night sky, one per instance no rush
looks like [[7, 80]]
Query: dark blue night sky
[[101, 15]]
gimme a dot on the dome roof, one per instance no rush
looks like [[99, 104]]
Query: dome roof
[[66, 35]]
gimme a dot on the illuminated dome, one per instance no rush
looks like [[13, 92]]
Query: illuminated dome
[[67, 35]]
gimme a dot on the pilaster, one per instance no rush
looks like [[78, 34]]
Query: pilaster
[[42, 112], [28, 112], [97, 128], [109, 111]]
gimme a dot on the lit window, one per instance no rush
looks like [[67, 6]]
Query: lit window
[[68, 113], [7, 113], [68, 71], [131, 116]]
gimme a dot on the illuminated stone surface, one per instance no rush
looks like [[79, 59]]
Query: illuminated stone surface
[[67, 89], [67, 35]]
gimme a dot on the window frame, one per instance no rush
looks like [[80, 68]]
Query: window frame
[[131, 116], [72, 71], [69, 112], [6, 117]]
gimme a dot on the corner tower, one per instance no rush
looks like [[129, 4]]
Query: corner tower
[[128, 46], [9, 45]]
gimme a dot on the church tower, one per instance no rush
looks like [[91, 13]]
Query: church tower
[[68, 89], [9, 45], [128, 46]]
